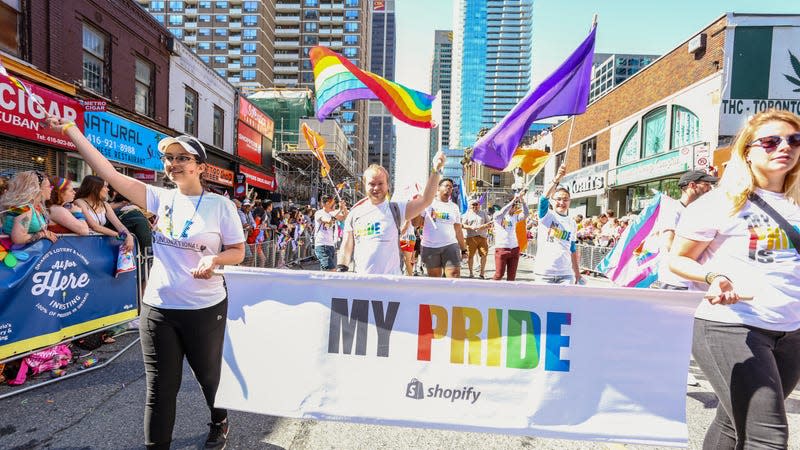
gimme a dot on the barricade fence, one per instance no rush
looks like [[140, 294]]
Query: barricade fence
[[589, 256]]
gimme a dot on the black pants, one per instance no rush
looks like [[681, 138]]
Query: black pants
[[169, 335], [752, 371]]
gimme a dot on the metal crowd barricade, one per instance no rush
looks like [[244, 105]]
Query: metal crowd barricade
[[273, 254], [589, 256]]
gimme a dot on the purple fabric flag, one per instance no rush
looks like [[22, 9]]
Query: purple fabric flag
[[564, 92]]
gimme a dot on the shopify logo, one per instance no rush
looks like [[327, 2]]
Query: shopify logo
[[416, 390]]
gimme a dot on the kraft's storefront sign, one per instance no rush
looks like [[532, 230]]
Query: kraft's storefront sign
[[587, 182], [124, 141]]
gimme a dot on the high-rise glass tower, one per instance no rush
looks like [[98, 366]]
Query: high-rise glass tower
[[382, 141], [441, 71], [491, 64]]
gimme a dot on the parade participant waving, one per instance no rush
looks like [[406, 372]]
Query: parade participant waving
[[442, 238], [506, 245], [324, 224], [23, 204], [372, 227], [556, 252], [741, 240], [185, 305]]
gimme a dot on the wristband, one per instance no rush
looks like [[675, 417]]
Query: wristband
[[438, 172], [342, 268], [710, 276], [66, 127]]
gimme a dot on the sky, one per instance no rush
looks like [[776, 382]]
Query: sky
[[624, 26]]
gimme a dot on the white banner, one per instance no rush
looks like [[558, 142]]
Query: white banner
[[567, 362]]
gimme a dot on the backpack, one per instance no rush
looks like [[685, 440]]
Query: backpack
[[45, 360]]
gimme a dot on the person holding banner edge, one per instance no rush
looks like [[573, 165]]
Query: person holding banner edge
[[184, 306], [741, 240], [372, 228]]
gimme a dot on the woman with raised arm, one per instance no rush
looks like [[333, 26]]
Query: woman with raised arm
[[185, 304], [64, 216], [24, 212], [738, 241], [92, 198]]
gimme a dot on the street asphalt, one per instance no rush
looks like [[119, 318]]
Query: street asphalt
[[103, 409]]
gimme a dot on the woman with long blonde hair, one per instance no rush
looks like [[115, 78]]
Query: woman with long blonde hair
[[22, 205], [738, 241]]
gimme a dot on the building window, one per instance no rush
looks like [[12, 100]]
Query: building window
[[204, 4], [250, 21], [351, 14], [157, 6], [204, 31], [249, 47], [221, 45], [143, 92], [685, 127], [350, 52], [175, 20], [204, 46], [560, 159], [221, 72], [205, 18], [177, 32], [219, 126], [629, 150], [654, 128], [176, 6], [250, 6], [10, 28], [94, 60], [351, 27], [249, 75], [248, 61], [311, 3], [205, 58], [190, 112], [221, 31], [222, 5], [220, 60], [351, 39], [496, 179], [310, 39], [249, 34], [310, 26], [589, 152], [351, 3]]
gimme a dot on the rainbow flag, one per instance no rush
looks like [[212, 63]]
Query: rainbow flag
[[337, 80], [629, 264], [316, 143]]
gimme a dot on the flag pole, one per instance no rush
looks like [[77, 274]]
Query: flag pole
[[572, 125]]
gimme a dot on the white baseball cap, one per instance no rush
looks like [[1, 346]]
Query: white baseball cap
[[189, 143]]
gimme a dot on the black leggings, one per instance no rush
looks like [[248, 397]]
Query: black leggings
[[169, 335], [752, 371]]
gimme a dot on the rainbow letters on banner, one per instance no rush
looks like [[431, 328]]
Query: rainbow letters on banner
[[521, 358], [61, 290]]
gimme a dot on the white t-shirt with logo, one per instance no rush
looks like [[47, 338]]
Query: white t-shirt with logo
[[668, 218], [505, 233], [324, 232], [556, 237], [473, 219], [753, 251], [440, 220], [377, 245], [216, 223]]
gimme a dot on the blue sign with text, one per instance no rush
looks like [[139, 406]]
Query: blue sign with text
[[62, 289], [124, 141]]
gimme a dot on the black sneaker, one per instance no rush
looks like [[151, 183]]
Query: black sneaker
[[218, 435]]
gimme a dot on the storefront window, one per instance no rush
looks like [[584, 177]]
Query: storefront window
[[629, 150], [654, 125], [9, 28], [640, 196], [685, 127], [77, 169]]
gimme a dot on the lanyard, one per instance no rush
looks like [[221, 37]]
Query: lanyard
[[185, 233]]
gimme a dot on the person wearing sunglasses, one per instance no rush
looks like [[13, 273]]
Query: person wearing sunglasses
[[185, 305], [736, 242]]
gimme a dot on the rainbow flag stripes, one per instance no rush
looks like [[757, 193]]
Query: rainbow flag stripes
[[337, 80]]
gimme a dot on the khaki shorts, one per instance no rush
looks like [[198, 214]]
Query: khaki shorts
[[477, 244]]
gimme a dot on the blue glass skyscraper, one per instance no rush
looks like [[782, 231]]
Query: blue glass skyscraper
[[382, 141], [491, 64]]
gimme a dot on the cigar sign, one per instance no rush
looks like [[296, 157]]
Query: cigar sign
[[22, 116]]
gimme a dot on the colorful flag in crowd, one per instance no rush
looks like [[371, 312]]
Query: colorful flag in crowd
[[521, 231], [530, 160], [337, 80], [461, 196], [317, 145], [482, 199], [629, 263], [19, 84], [564, 92]]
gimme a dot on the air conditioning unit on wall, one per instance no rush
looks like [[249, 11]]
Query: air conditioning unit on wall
[[697, 43]]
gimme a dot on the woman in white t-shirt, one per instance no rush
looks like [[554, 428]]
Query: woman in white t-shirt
[[184, 306], [747, 335]]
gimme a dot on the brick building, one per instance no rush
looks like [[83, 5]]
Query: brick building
[[677, 114]]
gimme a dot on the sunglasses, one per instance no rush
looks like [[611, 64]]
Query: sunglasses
[[180, 159], [771, 143]]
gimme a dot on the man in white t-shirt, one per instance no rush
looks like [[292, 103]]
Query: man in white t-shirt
[[442, 238], [506, 245], [694, 184], [556, 252], [372, 227], [324, 229], [476, 223]]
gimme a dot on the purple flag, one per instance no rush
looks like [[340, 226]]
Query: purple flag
[[564, 92]]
